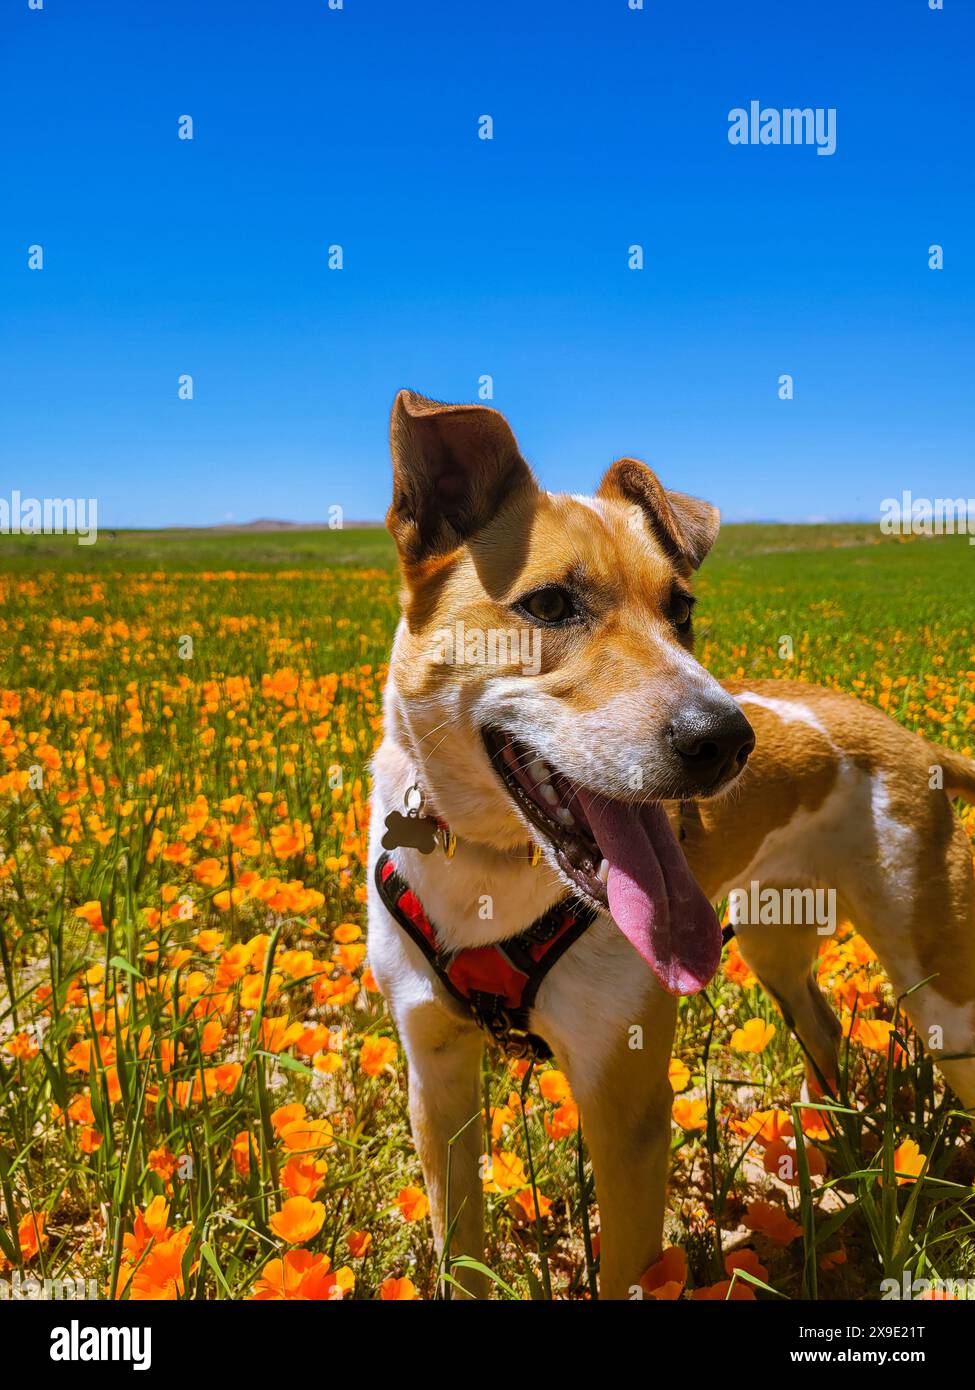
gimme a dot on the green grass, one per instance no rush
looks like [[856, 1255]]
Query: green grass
[[193, 550], [290, 631]]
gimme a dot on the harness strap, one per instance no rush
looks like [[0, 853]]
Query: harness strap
[[496, 984]]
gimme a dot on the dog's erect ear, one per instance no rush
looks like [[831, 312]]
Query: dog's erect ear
[[454, 466], [683, 526]]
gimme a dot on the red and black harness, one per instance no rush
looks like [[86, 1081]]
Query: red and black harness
[[497, 984]]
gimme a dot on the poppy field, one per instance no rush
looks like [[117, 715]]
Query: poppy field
[[201, 1093]]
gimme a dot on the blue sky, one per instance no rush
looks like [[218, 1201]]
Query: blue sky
[[466, 257]]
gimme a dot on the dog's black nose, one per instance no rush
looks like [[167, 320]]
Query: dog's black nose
[[713, 739]]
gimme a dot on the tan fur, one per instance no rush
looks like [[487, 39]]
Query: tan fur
[[835, 794], [795, 765]]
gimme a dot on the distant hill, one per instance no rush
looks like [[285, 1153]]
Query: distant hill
[[265, 523]]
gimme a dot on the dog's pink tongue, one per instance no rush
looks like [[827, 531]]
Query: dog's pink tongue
[[653, 896]]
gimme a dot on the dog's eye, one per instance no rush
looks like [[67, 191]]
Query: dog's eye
[[550, 605], [680, 613]]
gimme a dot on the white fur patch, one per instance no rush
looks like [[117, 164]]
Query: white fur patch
[[897, 846], [789, 711], [811, 846], [593, 503]]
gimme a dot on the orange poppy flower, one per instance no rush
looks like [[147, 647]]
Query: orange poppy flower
[[665, 1280], [771, 1221], [755, 1036], [302, 1177], [207, 941], [376, 1054], [313, 1040], [210, 872], [350, 957], [816, 1124], [299, 1220], [21, 1046], [554, 1086], [765, 1125], [81, 1110], [226, 1077], [304, 1276], [748, 1261], [501, 1117], [286, 1115], [876, 1035], [244, 1150], [31, 1235], [160, 1275], [782, 1162], [287, 840], [306, 1136], [398, 1290], [563, 1121], [678, 1073], [157, 1216], [690, 1114], [412, 1203], [735, 968], [908, 1163], [91, 912], [359, 1243], [211, 1037], [89, 1140], [162, 1161], [742, 1292], [277, 1033], [525, 1204], [506, 1172]]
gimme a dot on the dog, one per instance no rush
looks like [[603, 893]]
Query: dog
[[595, 810]]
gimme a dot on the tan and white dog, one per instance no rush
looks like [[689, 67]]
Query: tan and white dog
[[610, 754]]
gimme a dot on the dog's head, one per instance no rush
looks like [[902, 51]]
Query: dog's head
[[543, 673]]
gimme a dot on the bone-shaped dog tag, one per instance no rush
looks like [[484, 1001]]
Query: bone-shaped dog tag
[[411, 831]]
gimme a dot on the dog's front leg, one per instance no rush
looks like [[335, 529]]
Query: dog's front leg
[[445, 1114], [630, 1146], [625, 1102]]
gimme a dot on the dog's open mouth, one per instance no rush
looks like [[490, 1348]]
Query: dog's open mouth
[[622, 855]]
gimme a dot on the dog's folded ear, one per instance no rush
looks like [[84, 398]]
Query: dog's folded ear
[[684, 527], [454, 466]]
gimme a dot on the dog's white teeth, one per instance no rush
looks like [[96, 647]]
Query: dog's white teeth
[[549, 793], [563, 816], [602, 873], [540, 772]]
